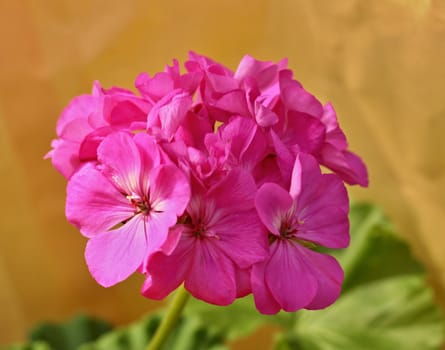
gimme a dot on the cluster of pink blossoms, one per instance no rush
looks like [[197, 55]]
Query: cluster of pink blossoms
[[210, 178]]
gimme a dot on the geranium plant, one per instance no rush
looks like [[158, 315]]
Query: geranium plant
[[212, 182]]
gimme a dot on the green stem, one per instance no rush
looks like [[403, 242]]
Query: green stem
[[170, 319]]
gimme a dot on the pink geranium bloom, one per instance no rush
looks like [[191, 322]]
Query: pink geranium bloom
[[308, 126], [238, 143], [161, 84], [264, 73], [299, 126], [219, 238], [88, 119], [168, 114], [334, 152], [207, 166], [201, 63], [313, 212], [125, 205], [173, 119], [211, 178], [260, 89], [250, 92], [245, 141], [217, 81]]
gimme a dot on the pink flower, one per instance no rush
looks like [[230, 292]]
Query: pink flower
[[163, 83], [217, 81], [125, 205], [246, 142], [168, 114], [259, 91], [88, 119], [264, 73], [219, 237], [166, 184], [334, 152], [267, 93], [306, 126], [239, 143], [313, 212], [250, 92], [172, 119]]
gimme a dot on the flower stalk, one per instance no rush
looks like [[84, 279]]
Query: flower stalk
[[170, 319]]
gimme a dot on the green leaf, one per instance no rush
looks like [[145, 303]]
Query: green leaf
[[395, 313], [234, 321], [189, 334], [376, 251], [71, 335], [385, 303], [38, 345]]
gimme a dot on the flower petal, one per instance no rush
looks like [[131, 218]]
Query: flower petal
[[121, 160], [303, 131], [296, 98], [234, 193], [359, 173], [264, 116], [322, 204], [328, 227], [76, 130], [93, 204], [247, 143], [173, 238], [334, 135], [212, 275], [234, 102], [329, 275], [89, 145], [243, 286], [285, 158], [306, 179], [295, 185], [272, 203], [150, 159], [173, 114], [242, 238], [333, 187], [289, 277], [65, 157], [113, 256], [154, 88], [157, 226], [346, 164], [323, 211], [166, 273], [264, 300], [170, 190], [268, 171], [264, 72], [123, 108], [79, 108]]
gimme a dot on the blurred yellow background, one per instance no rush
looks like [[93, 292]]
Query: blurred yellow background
[[381, 63]]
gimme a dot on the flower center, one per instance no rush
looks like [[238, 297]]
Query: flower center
[[289, 232], [141, 204], [197, 229]]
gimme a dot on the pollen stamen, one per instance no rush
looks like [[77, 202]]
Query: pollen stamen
[[141, 204]]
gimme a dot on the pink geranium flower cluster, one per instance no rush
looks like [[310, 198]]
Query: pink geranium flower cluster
[[210, 178]]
